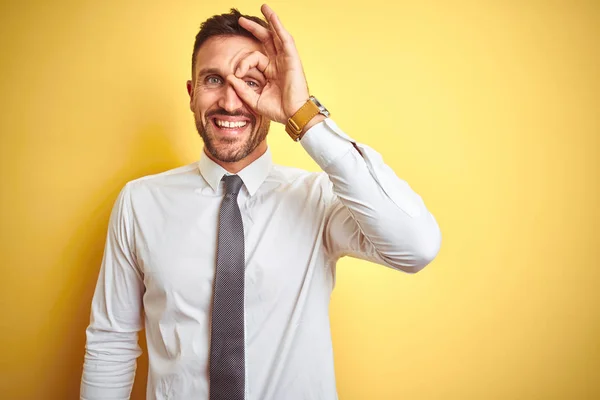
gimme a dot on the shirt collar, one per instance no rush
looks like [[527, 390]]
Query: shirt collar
[[252, 175]]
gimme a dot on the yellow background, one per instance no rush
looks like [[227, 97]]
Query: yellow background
[[489, 109]]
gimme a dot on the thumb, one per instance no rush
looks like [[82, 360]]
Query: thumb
[[245, 93]]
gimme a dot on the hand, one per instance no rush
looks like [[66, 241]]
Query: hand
[[286, 89]]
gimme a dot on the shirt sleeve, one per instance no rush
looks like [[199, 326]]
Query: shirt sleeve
[[112, 345], [374, 215]]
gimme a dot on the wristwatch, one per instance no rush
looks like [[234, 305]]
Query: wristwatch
[[308, 111]]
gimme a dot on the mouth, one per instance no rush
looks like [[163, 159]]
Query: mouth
[[230, 126]]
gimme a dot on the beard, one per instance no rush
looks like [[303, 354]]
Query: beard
[[231, 149]]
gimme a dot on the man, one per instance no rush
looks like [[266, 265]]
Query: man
[[230, 261]]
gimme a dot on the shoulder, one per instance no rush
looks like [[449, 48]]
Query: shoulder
[[286, 174], [180, 177], [306, 181]]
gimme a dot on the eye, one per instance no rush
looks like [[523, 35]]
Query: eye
[[254, 85], [213, 80]]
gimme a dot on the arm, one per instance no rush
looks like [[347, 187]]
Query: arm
[[375, 215], [112, 335]]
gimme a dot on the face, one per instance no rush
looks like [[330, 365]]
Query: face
[[229, 129]]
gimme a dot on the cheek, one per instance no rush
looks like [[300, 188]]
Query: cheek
[[200, 111], [203, 102]]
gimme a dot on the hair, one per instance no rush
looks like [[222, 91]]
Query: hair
[[223, 25]]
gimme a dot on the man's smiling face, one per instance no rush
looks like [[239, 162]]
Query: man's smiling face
[[229, 129]]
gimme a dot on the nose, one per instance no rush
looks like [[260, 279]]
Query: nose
[[229, 99]]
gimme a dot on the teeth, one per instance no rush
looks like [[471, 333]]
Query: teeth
[[228, 124]]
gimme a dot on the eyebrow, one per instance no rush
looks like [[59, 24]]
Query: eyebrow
[[207, 71], [255, 73]]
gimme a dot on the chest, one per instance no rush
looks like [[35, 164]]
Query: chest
[[177, 245]]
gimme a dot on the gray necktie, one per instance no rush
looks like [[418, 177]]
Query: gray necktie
[[227, 371]]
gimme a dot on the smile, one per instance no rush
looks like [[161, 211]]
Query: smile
[[230, 124]]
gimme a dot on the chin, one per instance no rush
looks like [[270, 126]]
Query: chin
[[228, 156], [228, 152], [231, 148]]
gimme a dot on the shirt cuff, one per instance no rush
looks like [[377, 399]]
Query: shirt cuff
[[325, 142]]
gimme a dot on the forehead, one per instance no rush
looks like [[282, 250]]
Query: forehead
[[224, 52]]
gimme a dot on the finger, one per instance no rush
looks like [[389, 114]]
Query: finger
[[245, 93], [277, 42], [286, 40], [261, 33], [256, 59]]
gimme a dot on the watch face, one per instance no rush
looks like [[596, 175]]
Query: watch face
[[321, 107]]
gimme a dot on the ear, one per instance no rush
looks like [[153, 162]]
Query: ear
[[190, 90]]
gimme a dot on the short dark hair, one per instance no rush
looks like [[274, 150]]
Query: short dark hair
[[223, 25]]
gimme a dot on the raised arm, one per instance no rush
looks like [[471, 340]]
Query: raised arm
[[375, 215]]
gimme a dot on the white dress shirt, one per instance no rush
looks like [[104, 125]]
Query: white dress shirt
[[160, 257]]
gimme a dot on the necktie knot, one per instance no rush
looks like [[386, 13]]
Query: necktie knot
[[233, 184]]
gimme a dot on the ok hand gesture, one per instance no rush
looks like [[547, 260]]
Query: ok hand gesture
[[286, 89]]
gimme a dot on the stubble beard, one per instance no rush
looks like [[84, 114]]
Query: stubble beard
[[231, 149]]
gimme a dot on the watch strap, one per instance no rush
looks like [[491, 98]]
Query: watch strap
[[298, 121]]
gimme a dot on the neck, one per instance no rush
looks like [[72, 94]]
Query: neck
[[237, 166]]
